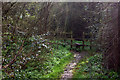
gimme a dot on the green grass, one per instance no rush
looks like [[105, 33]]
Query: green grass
[[69, 41], [59, 69], [59, 58], [80, 42]]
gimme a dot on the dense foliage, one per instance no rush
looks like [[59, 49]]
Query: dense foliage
[[34, 60], [92, 67], [30, 50]]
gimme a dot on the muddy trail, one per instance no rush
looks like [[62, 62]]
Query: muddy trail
[[68, 71]]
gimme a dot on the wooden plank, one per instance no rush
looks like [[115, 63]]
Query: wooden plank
[[71, 40], [91, 40], [83, 44]]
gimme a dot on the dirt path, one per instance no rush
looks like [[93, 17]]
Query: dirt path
[[69, 68]]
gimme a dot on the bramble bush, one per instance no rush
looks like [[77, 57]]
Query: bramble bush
[[36, 59]]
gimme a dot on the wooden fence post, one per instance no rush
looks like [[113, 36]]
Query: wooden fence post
[[83, 40], [83, 44], [71, 40], [56, 42], [64, 35], [90, 40]]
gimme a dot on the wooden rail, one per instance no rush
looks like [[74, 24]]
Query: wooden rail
[[77, 45]]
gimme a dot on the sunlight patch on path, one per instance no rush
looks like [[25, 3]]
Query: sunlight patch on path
[[69, 68]]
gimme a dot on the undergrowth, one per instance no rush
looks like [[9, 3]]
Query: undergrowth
[[36, 60], [91, 67], [54, 66]]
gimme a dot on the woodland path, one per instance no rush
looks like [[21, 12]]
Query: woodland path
[[69, 68]]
